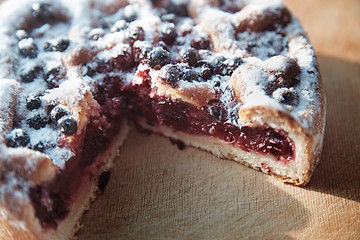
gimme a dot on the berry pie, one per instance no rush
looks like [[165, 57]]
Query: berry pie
[[236, 78]]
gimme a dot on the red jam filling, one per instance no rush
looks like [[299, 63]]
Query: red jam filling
[[185, 117], [52, 200], [177, 115]]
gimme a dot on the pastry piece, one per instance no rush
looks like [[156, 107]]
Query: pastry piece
[[236, 78], [57, 139], [239, 80]]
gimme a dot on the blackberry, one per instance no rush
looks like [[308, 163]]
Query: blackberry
[[159, 57], [56, 45], [224, 66], [17, 138], [33, 102], [168, 33], [68, 125], [217, 83], [28, 48], [30, 75], [189, 55], [42, 11], [233, 64], [40, 146], [206, 71], [217, 111], [189, 75], [58, 112], [286, 96], [48, 46], [51, 76], [38, 121], [171, 75], [219, 66]]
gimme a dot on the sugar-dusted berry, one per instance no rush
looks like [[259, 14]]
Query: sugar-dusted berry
[[219, 65], [286, 96], [68, 125], [189, 75], [168, 33], [206, 70], [159, 57], [40, 146], [52, 75], [58, 112], [171, 74], [33, 102], [141, 50], [38, 121], [189, 55], [17, 138], [28, 48], [42, 11], [59, 45], [30, 75]]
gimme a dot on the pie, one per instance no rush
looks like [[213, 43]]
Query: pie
[[236, 78]]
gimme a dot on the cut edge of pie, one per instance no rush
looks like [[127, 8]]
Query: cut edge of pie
[[22, 223]]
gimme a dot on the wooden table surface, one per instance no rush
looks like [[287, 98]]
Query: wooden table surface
[[159, 192]]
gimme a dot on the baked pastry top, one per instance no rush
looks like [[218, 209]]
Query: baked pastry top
[[237, 78]]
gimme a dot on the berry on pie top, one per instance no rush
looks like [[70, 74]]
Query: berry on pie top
[[18, 138], [159, 57], [27, 48], [68, 125]]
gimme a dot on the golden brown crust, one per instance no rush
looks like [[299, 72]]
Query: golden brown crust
[[239, 82], [213, 24], [28, 164], [247, 80], [196, 94], [250, 18], [306, 156]]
